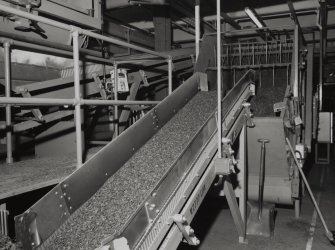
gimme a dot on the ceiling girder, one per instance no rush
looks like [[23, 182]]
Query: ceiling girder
[[231, 21]]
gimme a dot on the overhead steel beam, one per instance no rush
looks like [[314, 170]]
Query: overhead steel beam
[[181, 27], [127, 33], [230, 20], [296, 20]]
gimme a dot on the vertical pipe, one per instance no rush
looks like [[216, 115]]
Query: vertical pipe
[[321, 69], [75, 37], [8, 80], [218, 34], [296, 61], [197, 28], [116, 109], [170, 75]]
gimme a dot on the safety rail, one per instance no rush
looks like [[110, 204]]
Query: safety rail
[[77, 102]]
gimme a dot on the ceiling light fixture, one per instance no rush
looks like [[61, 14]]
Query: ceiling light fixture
[[253, 17]]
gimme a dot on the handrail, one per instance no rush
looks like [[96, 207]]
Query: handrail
[[69, 102], [77, 102]]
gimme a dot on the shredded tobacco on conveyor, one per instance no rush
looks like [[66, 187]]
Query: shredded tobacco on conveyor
[[107, 211], [266, 97]]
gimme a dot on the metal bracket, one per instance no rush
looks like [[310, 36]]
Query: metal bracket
[[36, 112], [223, 166], [229, 152], [32, 237], [186, 229], [151, 210]]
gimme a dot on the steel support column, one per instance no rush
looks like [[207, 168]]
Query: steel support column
[[197, 28], [79, 139], [295, 65], [218, 29], [8, 81], [116, 109], [309, 99], [321, 69]]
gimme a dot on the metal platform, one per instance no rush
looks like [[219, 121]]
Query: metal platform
[[32, 174]]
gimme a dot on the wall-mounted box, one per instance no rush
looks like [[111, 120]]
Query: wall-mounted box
[[325, 133]]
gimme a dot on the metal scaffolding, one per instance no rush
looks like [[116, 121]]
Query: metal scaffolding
[[77, 101]]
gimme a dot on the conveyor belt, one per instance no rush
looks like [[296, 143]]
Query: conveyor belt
[[266, 97], [105, 213]]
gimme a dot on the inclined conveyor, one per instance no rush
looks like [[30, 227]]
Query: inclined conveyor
[[143, 177]]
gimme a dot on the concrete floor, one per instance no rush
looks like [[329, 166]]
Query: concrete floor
[[215, 228]]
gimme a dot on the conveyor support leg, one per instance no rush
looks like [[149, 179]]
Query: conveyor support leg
[[234, 209]]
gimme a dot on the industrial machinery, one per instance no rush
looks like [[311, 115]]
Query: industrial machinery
[[178, 126], [162, 212]]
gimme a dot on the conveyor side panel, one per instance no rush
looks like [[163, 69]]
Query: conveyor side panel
[[69, 194]]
